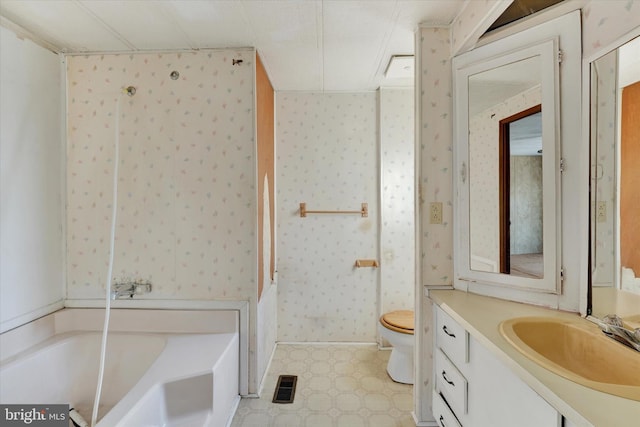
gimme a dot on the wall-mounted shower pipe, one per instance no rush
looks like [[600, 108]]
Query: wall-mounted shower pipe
[[107, 309], [129, 90]]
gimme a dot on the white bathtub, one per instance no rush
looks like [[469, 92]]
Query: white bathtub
[[163, 368]]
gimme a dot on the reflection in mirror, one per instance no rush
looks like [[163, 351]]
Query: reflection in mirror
[[615, 174], [505, 169], [521, 194]]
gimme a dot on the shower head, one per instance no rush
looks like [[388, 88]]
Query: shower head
[[130, 90]]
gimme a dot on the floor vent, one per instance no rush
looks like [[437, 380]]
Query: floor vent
[[285, 389]]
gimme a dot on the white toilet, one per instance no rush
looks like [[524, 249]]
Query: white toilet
[[397, 328]]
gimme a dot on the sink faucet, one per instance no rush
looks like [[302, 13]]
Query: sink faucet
[[129, 288], [613, 327]]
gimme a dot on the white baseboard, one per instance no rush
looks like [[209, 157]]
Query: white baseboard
[[233, 411], [266, 371], [423, 423]]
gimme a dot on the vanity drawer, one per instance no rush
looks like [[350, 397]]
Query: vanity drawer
[[450, 383], [443, 415], [452, 338]]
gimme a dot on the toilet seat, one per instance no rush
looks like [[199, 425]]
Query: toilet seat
[[399, 321]]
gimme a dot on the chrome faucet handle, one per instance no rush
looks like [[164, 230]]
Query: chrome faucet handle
[[613, 327], [613, 319], [130, 288]]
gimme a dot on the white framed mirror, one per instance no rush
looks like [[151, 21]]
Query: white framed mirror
[[536, 67], [614, 111], [508, 175]]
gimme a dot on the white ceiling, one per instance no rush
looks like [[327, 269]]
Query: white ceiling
[[310, 45], [494, 86]]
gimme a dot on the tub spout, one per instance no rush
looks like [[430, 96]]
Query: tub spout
[[129, 289]]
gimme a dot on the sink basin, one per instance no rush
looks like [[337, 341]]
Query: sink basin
[[578, 351]]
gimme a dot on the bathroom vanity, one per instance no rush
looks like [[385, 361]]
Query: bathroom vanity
[[483, 371], [494, 384]]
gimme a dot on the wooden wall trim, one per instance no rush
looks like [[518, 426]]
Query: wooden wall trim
[[265, 153], [630, 178]]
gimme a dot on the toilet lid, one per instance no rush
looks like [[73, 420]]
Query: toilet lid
[[399, 321]]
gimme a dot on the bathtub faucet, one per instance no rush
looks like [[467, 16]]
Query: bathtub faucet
[[129, 288]]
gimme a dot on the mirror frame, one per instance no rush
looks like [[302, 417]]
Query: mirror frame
[[483, 59]]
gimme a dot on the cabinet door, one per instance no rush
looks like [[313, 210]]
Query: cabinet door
[[452, 338], [450, 383], [498, 398], [443, 414]]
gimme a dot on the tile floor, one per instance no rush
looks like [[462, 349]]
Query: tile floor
[[338, 385]]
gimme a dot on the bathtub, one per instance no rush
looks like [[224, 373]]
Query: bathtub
[[162, 368]]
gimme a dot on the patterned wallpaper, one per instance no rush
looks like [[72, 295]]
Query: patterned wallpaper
[[483, 173], [526, 205], [603, 22], [436, 153], [326, 157], [186, 196], [397, 238]]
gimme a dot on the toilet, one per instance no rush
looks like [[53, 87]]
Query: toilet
[[397, 328]]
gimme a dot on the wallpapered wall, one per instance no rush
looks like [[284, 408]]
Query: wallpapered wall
[[436, 153], [397, 228], [326, 157], [605, 21], [186, 196], [484, 173], [526, 205]]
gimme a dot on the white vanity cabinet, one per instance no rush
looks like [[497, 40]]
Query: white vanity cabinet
[[474, 388]]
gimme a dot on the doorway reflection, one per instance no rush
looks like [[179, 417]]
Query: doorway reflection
[[521, 194]]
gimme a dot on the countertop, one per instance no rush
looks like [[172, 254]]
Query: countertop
[[610, 300], [583, 406]]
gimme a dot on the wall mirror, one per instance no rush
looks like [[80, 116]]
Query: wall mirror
[[507, 162], [615, 178]]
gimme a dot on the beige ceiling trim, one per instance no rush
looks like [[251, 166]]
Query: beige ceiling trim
[[28, 35]]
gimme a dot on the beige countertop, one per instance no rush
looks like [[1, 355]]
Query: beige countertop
[[583, 406], [610, 301]]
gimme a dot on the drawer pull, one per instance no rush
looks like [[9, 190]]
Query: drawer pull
[[446, 331], [442, 421], [444, 375]]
